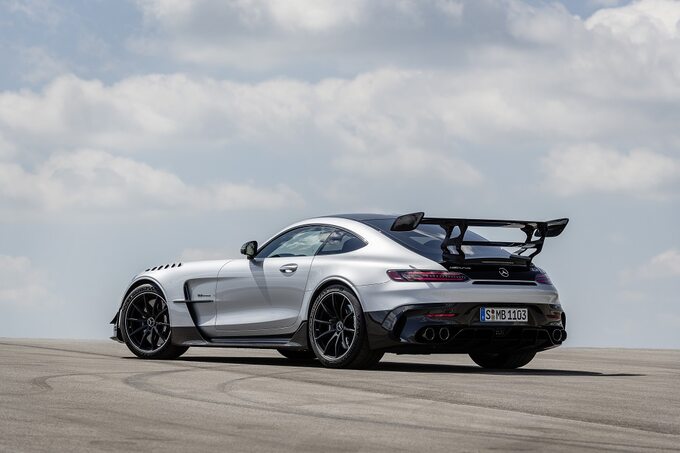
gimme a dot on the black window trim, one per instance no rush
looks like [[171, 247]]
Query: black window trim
[[340, 253], [307, 225]]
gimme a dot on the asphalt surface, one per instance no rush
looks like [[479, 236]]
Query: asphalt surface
[[82, 396]]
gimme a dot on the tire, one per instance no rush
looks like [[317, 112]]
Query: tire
[[148, 339], [335, 315], [503, 361], [297, 355]]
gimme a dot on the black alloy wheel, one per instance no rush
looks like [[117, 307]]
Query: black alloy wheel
[[337, 332], [146, 325], [334, 325]]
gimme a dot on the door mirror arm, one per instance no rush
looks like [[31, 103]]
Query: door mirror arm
[[249, 249]]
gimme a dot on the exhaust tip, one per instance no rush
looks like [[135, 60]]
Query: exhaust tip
[[428, 334], [444, 334], [557, 335]]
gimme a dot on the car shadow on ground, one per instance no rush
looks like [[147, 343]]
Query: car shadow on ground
[[414, 367]]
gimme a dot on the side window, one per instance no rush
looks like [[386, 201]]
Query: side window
[[341, 241], [305, 241]]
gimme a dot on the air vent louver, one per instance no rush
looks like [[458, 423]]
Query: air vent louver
[[164, 266]]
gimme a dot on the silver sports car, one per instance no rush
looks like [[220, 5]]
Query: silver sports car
[[345, 289]]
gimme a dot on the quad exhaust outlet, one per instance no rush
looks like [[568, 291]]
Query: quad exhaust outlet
[[557, 335], [429, 334], [436, 334]]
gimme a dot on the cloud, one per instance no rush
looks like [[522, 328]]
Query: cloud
[[604, 3], [660, 267], [344, 121], [386, 116], [408, 84], [91, 180], [20, 282], [39, 65], [260, 34], [295, 16], [543, 69], [640, 21], [153, 112], [542, 74], [411, 163], [356, 36], [314, 17], [458, 113], [6, 148], [44, 12], [587, 168], [665, 264]]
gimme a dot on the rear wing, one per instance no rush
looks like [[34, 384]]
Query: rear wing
[[535, 233]]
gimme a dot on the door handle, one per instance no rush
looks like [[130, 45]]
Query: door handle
[[288, 268]]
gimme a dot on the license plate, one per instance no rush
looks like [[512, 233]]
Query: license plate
[[496, 314]]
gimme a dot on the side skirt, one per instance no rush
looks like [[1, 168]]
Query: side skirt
[[191, 336]]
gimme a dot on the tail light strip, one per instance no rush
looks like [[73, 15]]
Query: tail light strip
[[415, 275]]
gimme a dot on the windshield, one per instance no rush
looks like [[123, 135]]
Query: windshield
[[427, 241]]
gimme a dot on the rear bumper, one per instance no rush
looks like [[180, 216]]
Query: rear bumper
[[393, 294], [404, 329]]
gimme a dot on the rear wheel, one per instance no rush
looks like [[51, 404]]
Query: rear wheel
[[297, 355], [502, 360], [145, 325], [337, 331]]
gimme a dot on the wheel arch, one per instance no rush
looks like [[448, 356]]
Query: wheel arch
[[140, 282], [134, 285], [330, 281]]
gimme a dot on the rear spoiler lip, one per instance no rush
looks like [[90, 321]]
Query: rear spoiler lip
[[535, 231]]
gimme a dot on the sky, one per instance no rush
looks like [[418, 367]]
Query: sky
[[136, 133]]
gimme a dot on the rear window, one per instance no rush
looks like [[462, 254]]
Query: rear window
[[426, 240], [341, 241]]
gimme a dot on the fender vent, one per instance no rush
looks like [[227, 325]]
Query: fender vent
[[163, 266]]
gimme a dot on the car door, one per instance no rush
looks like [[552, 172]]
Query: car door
[[263, 295]]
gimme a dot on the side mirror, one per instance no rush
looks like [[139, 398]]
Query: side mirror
[[249, 249]]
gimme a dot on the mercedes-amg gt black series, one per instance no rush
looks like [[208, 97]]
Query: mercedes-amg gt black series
[[346, 289]]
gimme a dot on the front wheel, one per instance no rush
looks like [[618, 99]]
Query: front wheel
[[145, 325], [505, 361], [337, 331]]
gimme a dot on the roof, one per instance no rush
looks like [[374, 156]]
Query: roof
[[365, 216]]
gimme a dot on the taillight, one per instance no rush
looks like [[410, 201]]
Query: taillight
[[441, 315], [543, 278], [426, 276]]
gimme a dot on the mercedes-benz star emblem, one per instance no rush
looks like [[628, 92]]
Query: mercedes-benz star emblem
[[504, 272]]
